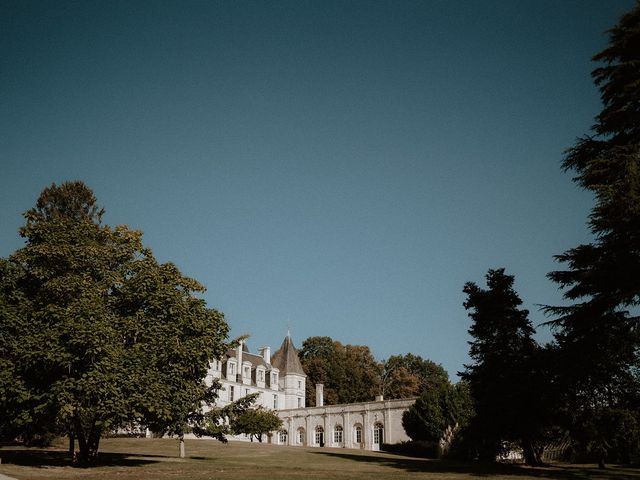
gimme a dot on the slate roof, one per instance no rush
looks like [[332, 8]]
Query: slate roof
[[254, 359], [286, 359]]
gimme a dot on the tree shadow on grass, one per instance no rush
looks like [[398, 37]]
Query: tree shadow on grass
[[58, 458], [414, 465]]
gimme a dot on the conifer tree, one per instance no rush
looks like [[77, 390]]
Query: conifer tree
[[500, 378], [598, 334]]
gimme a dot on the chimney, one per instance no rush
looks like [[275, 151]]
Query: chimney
[[266, 354], [239, 358], [319, 395]]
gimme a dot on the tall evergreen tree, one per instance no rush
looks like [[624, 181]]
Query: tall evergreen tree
[[503, 352], [598, 334]]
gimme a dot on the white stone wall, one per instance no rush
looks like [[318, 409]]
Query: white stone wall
[[244, 387], [265, 398], [294, 389], [320, 424], [363, 425]]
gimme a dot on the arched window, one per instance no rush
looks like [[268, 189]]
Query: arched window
[[282, 437], [319, 436], [357, 433], [301, 436], [378, 434], [337, 434]]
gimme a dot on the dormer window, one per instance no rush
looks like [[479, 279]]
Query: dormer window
[[260, 376], [247, 372]]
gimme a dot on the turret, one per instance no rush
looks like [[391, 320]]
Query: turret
[[292, 376]]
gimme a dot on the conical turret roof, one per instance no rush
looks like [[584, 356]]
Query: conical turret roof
[[286, 359]]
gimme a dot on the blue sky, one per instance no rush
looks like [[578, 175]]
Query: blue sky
[[339, 167]]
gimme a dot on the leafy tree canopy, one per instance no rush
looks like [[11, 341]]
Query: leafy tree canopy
[[69, 201], [97, 333], [218, 422], [349, 373], [439, 410], [256, 422], [409, 375]]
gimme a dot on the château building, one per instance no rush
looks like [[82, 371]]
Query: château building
[[280, 383], [279, 380]]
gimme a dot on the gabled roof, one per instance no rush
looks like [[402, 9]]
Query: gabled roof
[[286, 359]]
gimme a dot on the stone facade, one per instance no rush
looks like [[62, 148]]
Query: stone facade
[[281, 383], [355, 425]]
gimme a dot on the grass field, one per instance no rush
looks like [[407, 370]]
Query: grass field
[[128, 459]]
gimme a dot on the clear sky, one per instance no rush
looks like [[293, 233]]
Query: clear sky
[[339, 167]]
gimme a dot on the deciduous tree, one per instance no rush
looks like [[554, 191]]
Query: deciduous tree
[[438, 411], [409, 375], [349, 373], [256, 422], [96, 333], [218, 422]]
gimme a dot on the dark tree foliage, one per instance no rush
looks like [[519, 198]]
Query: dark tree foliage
[[409, 375], [256, 422], [598, 334], [349, 373], [500, 377], [219, 422], [71, 200], [95, 334], [439, 412]]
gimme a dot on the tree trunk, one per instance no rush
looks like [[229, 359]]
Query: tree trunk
[[601, 463], [532, 453], [87, 455], [182, 452], [72, 445]]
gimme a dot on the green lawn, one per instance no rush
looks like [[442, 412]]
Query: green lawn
[[208, 459]]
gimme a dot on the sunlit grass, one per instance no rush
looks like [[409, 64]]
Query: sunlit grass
[[208, 459]]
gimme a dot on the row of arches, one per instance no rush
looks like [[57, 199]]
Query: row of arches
[[335, 438]]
